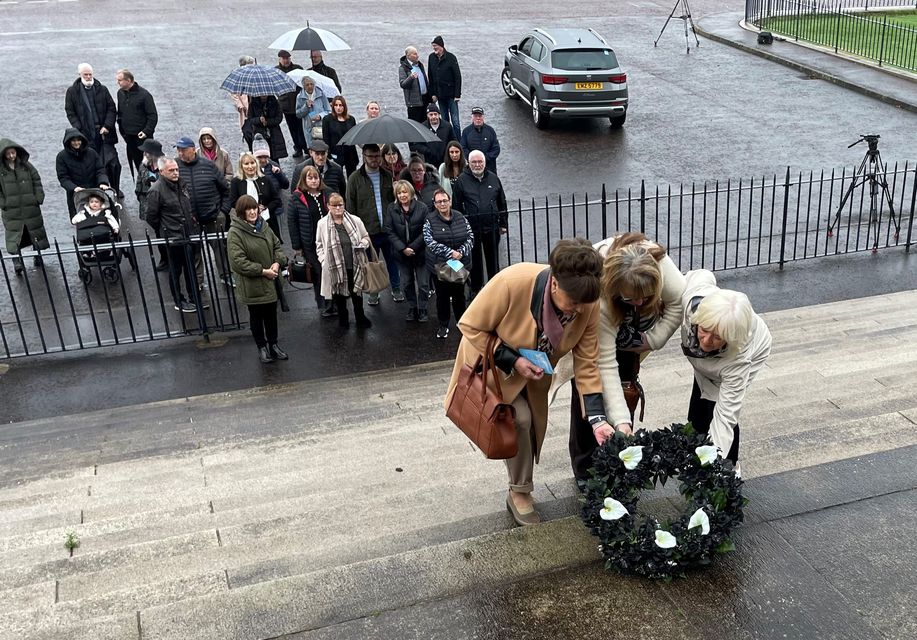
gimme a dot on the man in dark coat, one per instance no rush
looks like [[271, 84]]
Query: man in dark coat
[[319, 66], [331, 172], [168, 210], [478, 193], [414, 84], [288, 105], [435, 152], [21, 197], [209, 196], [479, 136], [79, 167], [91, 109], [446, 82], [137, 117]]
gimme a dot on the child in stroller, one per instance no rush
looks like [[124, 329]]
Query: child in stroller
[[98, 225]]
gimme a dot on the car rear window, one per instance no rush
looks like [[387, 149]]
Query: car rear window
[[584, 59]]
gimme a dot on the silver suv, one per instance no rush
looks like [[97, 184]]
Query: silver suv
[[566, 73]]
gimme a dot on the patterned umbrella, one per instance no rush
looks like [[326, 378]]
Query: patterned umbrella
[[388, 129], [308, 39], [258, 80]]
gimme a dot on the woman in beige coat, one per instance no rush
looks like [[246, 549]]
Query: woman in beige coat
[[552, 309]]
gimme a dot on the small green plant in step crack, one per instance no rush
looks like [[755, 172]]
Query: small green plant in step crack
[[72, 541]]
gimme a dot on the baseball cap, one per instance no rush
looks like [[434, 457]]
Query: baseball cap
[[184, 143], [477, 111]]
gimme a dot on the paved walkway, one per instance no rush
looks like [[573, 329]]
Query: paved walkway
[[864, 78]]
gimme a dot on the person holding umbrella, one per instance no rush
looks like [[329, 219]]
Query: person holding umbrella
[[288, 105], [261, 85], [315, 41], [311, 106]]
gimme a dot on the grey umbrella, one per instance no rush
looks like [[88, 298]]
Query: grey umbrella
[[388, 129]]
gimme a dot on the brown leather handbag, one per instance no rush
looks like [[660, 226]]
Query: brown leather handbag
[[633, 390], [480, 412]]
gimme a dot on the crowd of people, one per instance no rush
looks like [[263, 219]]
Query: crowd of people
[[594, 313], [441, 204]]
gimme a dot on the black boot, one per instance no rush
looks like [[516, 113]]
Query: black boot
[[18, 266], [343, 318], [277, 352], [264, 353], [38, 262]]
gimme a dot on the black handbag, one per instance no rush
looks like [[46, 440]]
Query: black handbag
[[301, 270]]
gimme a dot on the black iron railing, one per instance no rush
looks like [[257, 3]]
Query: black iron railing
[[864, 29], [720, 225]]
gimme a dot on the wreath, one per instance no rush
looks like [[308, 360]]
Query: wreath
[[626, 465]]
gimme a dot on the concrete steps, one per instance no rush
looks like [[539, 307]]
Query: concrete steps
[[207, 510]]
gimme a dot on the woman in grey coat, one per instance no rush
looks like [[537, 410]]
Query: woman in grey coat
[[21, 197]]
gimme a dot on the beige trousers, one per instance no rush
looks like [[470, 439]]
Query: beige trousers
[[520, 467]]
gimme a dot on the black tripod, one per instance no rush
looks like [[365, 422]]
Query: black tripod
[[871, 170], [684, 17]]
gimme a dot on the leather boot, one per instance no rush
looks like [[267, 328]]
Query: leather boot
[[277, 352], [265, 355]]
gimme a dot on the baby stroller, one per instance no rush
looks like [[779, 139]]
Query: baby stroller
[[94, 238]]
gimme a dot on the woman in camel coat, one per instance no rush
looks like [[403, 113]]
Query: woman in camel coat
[[552, 309]]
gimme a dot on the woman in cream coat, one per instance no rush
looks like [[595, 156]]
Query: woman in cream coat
[[640, 310], [727, 344]]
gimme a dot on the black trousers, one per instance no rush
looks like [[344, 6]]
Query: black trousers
[[341, 302], [263, 321], [312, 259], [417, 114], [582, 442], [181, 267], [294, 124], [485, 252], [449, 294], [134, 154], [700, 415]]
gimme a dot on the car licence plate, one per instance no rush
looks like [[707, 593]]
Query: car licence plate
[[590, 85]]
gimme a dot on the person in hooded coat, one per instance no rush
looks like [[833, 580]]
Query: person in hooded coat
[[211, 149], [79, 167], [21, 197], [264, 117]]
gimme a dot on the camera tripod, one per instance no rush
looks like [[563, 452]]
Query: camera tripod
[[871, 170], [684, 17]]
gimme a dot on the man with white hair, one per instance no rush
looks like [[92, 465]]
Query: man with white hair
[[478, 194], [414, 84], [91, 109]]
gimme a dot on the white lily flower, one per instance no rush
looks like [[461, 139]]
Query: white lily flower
[[700, 519], [631, 457], [613, 510], [707, 454], [665, 539]]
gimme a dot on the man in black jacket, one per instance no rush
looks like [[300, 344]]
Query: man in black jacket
[[137, 117], [170, 212], [481, 137], [478, 193], [435, 152], [209, 195], [331, 172], [445, 82], [79, 167], [288, 105], [90, 109], [319, 66]]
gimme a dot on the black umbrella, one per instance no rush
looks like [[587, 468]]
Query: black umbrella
[[310, 38], [388, 129]]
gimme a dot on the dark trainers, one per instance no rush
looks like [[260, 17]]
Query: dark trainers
[[373, 299], [442, 333], [186, 307], [397, 294], [422, 316], [411, 315]]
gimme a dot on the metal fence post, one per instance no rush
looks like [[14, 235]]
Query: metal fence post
[[882, 46], [786, 209], [643, 207], [910, 224], [604, 212]]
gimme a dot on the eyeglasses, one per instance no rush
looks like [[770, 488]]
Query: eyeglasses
[[446, 201], [336, 206]]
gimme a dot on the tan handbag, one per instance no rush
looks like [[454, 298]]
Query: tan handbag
[[480, 412], [376, 274], [633, 396]]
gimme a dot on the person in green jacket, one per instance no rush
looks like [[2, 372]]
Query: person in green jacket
[[255, 256], [21, 197]]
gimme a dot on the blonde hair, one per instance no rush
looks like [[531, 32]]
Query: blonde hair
[[403, 185], [631, 270], [728, 314], [240, 173]]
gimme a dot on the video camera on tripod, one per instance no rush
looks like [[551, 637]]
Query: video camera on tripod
[[871, 139]]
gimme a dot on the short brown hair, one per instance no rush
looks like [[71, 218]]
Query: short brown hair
[[243, 204], [577, 269]]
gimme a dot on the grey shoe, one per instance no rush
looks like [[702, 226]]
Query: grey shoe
[[397, 294], [422, 316], [372, 299]]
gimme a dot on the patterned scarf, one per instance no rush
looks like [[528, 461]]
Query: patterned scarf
[[337, 266], [551, 331], [691, 346]]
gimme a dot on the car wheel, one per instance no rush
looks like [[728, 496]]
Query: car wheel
[[617, 121], [539, 117], [507, 81]]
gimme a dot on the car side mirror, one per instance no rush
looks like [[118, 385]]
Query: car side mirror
[[513, 48]]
